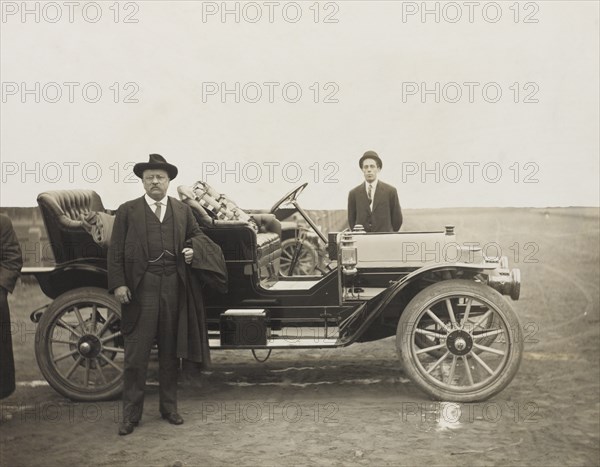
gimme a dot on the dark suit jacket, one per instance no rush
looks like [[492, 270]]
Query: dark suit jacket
[[128, 252], [11, 260], [386, 215]]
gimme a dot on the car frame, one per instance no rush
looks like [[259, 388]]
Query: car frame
[[457, 337]]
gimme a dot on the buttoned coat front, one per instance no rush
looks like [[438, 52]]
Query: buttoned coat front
[[386, 215]]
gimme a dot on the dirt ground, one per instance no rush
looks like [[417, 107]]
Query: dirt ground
[[354, 406]]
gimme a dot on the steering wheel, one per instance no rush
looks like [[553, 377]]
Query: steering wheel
[[288, 198]]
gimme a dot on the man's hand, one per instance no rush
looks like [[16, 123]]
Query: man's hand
[[188, 253], [123, 295]]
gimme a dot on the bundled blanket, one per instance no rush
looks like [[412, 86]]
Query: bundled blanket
[[99, 225]]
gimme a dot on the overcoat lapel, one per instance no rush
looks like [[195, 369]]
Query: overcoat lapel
[[179, 223], [138, 216]]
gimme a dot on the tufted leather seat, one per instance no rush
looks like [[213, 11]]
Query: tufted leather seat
[[268, 240], [62, 211]]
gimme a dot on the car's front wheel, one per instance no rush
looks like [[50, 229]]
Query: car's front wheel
[[475, 341]]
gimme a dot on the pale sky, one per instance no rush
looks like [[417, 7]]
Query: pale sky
[[183, 65]]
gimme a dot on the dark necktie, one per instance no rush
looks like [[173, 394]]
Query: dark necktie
[[370, 193], [157, 211]]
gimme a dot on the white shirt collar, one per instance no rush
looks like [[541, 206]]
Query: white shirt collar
[[152, 203], [373, 184]]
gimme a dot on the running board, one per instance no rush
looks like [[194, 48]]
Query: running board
[[285, 338], [281, 343]]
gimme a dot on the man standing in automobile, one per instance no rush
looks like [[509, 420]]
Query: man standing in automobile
[[147, 273], [374, 204]]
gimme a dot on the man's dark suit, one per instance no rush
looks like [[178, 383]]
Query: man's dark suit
[[386, 215], [10, 270], [158, 305]]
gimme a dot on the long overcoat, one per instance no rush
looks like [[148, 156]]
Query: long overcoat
[[128, 261]]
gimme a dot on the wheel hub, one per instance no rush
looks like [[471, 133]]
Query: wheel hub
[[459, 342], [89, 346]]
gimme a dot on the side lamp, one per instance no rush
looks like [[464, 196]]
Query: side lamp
[[349, 255]]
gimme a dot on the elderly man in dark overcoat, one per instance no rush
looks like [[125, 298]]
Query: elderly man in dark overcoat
[[152, 240], [374, 204], [11, 262]]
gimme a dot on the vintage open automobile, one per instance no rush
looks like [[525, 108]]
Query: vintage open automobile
[[457, 337]]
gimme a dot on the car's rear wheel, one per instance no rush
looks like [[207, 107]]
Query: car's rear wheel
[[474, 349], [79, 345]]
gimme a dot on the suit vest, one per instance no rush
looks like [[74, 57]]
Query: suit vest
[[161, 242]]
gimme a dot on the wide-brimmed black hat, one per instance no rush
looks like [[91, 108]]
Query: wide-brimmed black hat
[[156, 161], [370, 155]]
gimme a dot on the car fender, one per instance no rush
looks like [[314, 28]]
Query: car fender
[[377, 305]]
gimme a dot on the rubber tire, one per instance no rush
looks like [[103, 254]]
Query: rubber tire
[[66, 300], [432, 294]]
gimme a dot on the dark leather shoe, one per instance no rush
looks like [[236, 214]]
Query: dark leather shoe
[[126, 428], [173, 418]]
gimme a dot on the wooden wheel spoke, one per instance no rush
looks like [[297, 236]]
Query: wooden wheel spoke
[[68, 327], [427, 332], [438, 320], [104, 327], [451, 313], [468, 370], [482, 363], [79, 318], [94, 317], [100, 371], [452, 369], [485, 348], [114, 349], [86, 374], [73, 367], [110, 362], [481, 335], [482, 319], [429, 349], [60, 341], [65, 355], [109, 337], [467, 311], [436, 364]]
